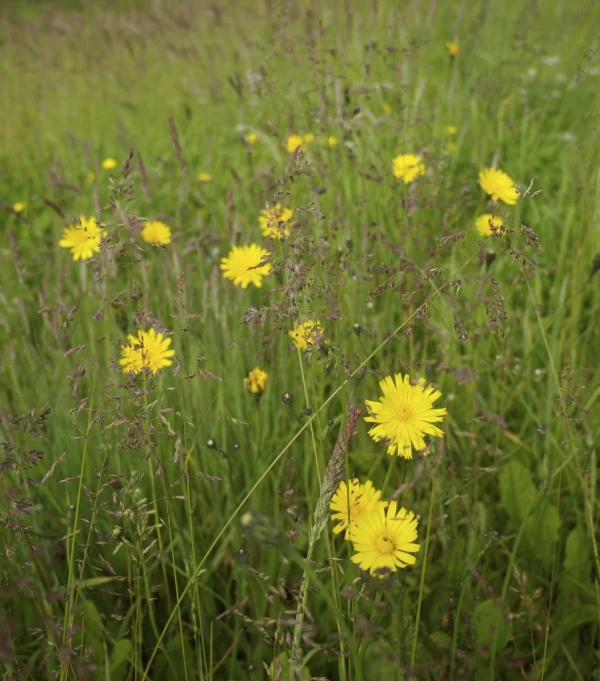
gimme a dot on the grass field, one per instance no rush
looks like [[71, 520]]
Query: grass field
[[172, 524]]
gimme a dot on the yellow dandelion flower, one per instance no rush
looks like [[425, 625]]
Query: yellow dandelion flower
[[19, 206], [450, 130], [351, 501], [408, 167], [274, 221], [83, 238], [308, 138], [204, 177], [256, 381], [404, 414], [245, 265], [157, 233], [498, 185], [90, 176], [332, 141], [387, 108], [251, 138], [453, 48], [109, 163], [147, 350], [293, 142], [385, 540], [305, 336], [489, 225]]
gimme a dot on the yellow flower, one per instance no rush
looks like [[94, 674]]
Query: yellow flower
[[450, 130], [147, 350], [251, 138], [83, 238], [332, 140], [498, 185], [19, 206], [109, 163], [91, 176], [204, 177], [256, 381], [404, 414], [486, 222], [244, 265], [387, 108], [453, 48], [274, 221], [351, 501], [157, 233], [293, 142], [385, 541], [308, 334], [452, 147], [408, 167], [309, 137]]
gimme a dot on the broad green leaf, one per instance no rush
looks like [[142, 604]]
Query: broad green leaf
[[119, 659], [516, 491], [490, 620]]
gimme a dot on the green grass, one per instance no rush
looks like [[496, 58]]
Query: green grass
[[125, 556]]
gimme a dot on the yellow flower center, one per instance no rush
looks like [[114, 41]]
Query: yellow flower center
[[385, 545], [405, 414]]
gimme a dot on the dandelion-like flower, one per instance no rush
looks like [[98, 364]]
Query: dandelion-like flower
[[387, 108], [498, 185], [245, 265], [404, 414], [307, 335], [332, 141], [204, 177], [453, 48], [450, 129], [256, 381], [251, 138], [488, 224], [408, 167], [83, 238], [157, 233], [293, 142], [351, 501], [19, 206], [109, 163], [385, 540], [274, 221], [309, 137], [147, 350]]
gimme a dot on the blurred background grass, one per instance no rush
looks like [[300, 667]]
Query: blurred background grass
[[511, 586]]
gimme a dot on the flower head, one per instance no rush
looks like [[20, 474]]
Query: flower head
[[147, 350], [387, 108], [245, 265], [385, 540], [109, 163], [404, 414], [498, 185], [309, 137], [332, 141], [408, 167], [308, 334], [274, 221], [489, 225], [256, 381], [453, 48], [351, 501], [251, 138], [83, 238], [157, 233], [204, 177], [19, 206], [450, 129], [293, 142]]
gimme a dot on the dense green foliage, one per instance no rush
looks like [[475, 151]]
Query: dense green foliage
[[158, 526]]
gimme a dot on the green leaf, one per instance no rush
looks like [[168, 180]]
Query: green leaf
[[577, 562], [491, 620], [516, 491], [119, 660]]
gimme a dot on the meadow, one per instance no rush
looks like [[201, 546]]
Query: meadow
[[223, 226]]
